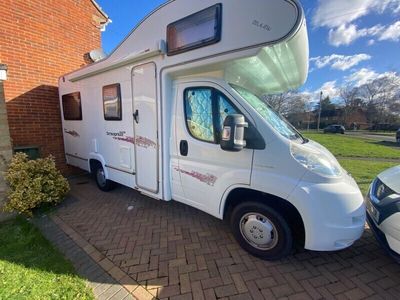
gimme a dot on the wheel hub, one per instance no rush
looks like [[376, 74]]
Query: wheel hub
[[101, 177], [258, 230]]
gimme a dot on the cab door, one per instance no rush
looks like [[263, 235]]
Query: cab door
[[206, 171]]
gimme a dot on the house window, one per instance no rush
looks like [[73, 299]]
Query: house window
[[112, 102], [72, 106], [197, 30]]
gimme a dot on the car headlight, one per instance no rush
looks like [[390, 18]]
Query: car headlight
[[380, 191], [316, 161]]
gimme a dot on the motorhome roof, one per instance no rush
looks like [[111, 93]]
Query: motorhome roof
[[275, 29]]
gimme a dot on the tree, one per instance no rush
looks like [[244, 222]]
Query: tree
[[287, 103], [277, 101], [382, 98], [350, 96], [328, 109]]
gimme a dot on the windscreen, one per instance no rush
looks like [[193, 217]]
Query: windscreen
[[269, 115]]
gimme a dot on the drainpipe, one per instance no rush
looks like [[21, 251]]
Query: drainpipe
[[5, 142]]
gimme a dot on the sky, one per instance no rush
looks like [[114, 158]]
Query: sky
[[350, 41]]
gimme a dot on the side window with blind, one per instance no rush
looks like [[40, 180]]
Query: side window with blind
[[198, 110], [112, 102], [72, 106], [225, 108], [206, 110]]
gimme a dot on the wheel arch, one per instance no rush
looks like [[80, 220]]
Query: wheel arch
[[284, 207], [96, 159]]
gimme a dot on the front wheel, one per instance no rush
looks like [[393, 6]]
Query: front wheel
[[102, 182], [261, 230]]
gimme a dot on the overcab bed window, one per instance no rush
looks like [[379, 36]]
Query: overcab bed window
[[72, 107], [197, 30], [112, 102]]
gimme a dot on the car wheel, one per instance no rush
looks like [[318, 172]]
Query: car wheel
[[102, 182], [261, 230]]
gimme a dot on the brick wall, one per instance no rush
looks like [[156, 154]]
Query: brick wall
[[41, 40]]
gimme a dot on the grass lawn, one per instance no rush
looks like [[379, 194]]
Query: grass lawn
[[351, 146], [31, 268], [364, 169]]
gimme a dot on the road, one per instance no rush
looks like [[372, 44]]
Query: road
[[377, 137]]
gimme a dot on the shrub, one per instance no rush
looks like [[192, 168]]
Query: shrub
[[32, 183]]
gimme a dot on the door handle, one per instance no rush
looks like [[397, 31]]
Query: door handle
[[183, 148], [136, 116]]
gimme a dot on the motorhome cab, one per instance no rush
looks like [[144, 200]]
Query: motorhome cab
[[175, 112]]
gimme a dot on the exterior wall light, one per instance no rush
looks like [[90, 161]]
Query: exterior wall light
[[3, 72]]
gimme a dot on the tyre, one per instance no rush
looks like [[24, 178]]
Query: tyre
[[102, 182], [261, 230]]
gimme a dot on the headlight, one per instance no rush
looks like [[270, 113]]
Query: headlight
[[380, 191], [316, 161]]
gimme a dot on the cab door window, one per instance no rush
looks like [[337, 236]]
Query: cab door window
[[205, 112], [198, 110], [225, 108]]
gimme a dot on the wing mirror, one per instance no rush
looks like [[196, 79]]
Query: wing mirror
[[232, 138]]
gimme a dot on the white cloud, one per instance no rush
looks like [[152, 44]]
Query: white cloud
[[329, 89], [334, 13], [339, 62], [372, 31], [346, 34], [338, 15], [392, 32], [365, 75], [361, 77], [343, 35]]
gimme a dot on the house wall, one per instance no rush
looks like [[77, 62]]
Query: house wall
[[41, 40]]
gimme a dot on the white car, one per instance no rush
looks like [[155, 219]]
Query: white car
[[383, 210]]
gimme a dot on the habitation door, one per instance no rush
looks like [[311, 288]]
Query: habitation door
[[145, 126]]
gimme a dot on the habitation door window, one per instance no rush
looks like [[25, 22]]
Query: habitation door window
[[112, 102], [72, 106]]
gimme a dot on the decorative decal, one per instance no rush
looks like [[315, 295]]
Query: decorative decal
[[139, 140], [261, 25], [206, 178], [72, 132], [128, 139], [119, 133], [145, 142]]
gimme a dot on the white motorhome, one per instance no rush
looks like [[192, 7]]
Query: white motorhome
[[175, 112]]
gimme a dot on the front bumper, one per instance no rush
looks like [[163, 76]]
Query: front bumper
[[333, 213], [386, 229], [382, 240]]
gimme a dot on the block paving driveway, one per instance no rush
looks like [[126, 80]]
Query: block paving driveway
[[177, 252]]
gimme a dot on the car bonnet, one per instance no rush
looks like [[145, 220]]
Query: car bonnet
[[391, 177]]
